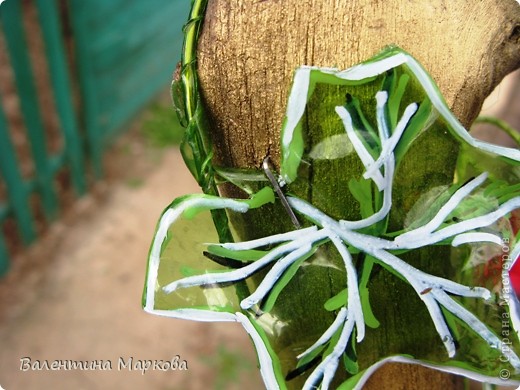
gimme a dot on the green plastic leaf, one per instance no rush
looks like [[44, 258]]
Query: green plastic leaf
[[350, 358], [337, 301], [245, 255]]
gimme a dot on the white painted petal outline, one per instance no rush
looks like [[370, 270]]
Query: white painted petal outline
[[265, 360], [453, 370], [375, 68], [167, 219], [297, 101]]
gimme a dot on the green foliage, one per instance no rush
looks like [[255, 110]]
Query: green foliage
[[161, 128]]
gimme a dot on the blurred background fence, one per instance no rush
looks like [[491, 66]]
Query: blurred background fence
[[73, 73]]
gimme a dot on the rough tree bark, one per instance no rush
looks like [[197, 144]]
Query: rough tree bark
[[249, 49]]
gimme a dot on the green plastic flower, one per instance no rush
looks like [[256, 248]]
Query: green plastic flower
[[385, 249]]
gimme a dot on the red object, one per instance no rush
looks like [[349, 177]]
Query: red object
[[514, 272], [514, 276]]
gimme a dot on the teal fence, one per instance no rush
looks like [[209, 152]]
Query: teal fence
[[105, 60]]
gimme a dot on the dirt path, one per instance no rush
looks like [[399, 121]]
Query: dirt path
[[85, 304]]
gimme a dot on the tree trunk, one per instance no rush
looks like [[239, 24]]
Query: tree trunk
[[249, 49]]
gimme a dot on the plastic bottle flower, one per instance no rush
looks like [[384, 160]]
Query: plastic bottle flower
[[194, 276], [443, 242]]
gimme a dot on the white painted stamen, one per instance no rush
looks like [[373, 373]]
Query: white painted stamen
[[389, 146], [354, 300], [421, 281], [445, 210], [238, 274], [364, 155], [270, 240], [277, 270], [382, 125], [385, 207], [477, 325], [327, 335], [327, 368], [457, 288], [466, 238], [418, 240]]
